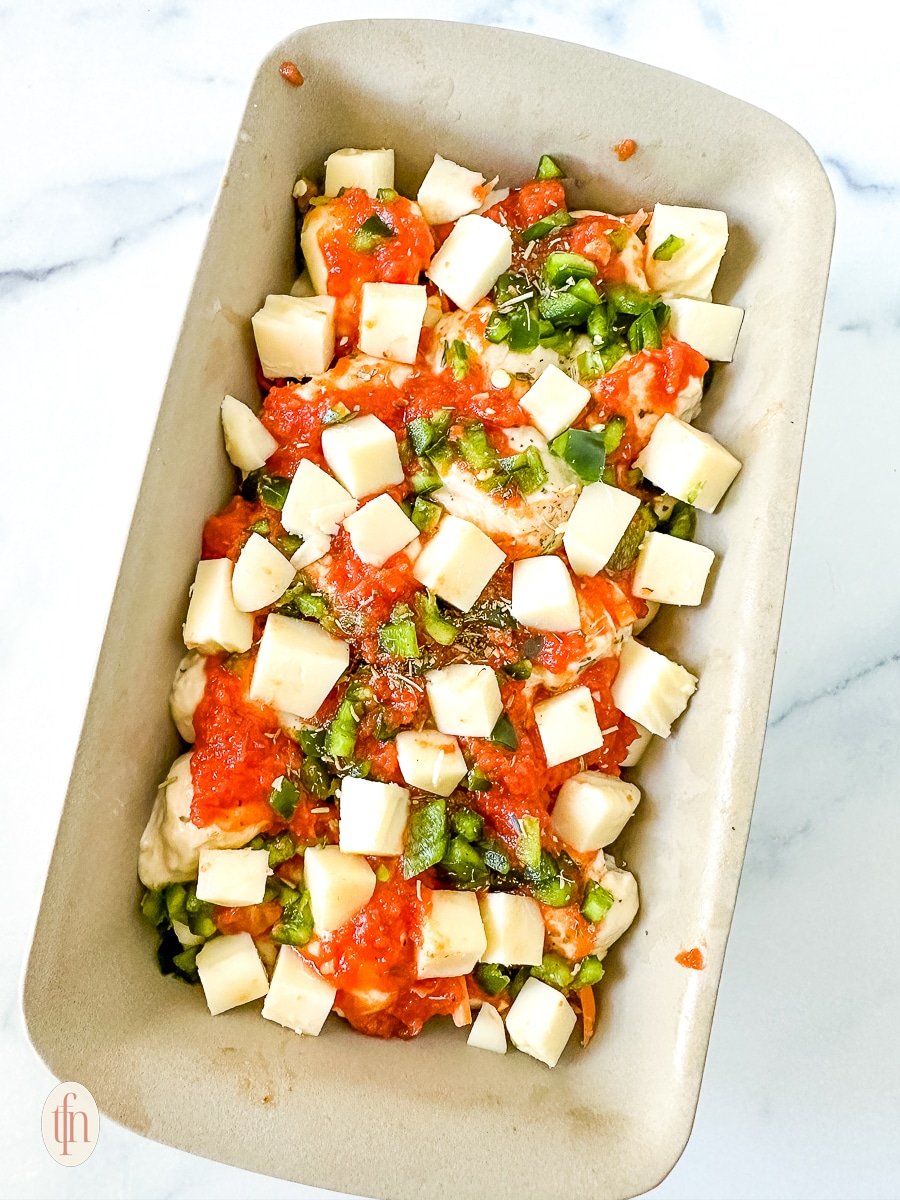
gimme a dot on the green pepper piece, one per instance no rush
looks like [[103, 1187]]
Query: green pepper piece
[[426, 842], [555, 220], [153, 907], [176, 902], [498, 328], [464, 865], [438, 628], [491, 978], [426, 515], [477, 781], [495, 857], [564, 309], [467, 823], [296, 925], [284, 797], [398, 639], [554, 970], [613, 432], [475, 447], [456, 356], [683, 522], [561, 266], [273, 490], [589, 972], [548, 169], [626, 551], [625, 298], [597, 901], [504, 733], [524, 329], [668, 248], [529, 847], [584, 450], [521, 669], [371, 234], [341, 739]]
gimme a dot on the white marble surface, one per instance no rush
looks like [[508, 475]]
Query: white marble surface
[[116, 121]]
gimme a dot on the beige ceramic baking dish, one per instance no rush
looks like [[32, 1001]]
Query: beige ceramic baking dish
[[432, 1117]]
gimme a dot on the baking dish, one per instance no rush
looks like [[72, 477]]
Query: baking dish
[[397, 1119]]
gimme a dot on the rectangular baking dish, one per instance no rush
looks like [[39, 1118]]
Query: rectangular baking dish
[[432, 1117]]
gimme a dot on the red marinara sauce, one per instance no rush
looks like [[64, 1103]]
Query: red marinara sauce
[[240, 748], [693, 959], [371, 961]]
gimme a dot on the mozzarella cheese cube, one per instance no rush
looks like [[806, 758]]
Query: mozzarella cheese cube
[[540, 1021], [591, 809], [554, 401], [468, 263], [712, 329], [231, 972], [599, 519], [295, 335], [465, 699], [687, 463], [299, 998], [488, 1032], [622, 886], [247, 441], [429, 760], [315, 546], [187, 691], [315, 502], [671, 570], [261, 575], [379, 530], [234, 878], [316, 221], [638, 746], [363, 455], [297, 665], [339, 885], [567, 723], [692, 268], [213, 621], [457, 562], [452, 935], [366, 169], [449, 191], [372, 816], [390, 320], [543, 595], [514, 929], [650, 688]]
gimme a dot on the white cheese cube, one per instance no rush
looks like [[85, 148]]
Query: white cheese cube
[[379, 530], [317, 221], [363, 455], [339, 885], [638, 746], [568, 725], [540, 1021], [457, 562], [315, 546], [390, 320], [299, 998], [599, 519], [295, 335], [650, 688], [231, 972], [592, 809], [297, 665], [554, 401], [372, 816], [213, 621], [315, 502], [543, 595], [234, 878], [449, 191], [366, 169], [487, 1032], [452, 935], [712, 329], [468, 263], [687, 463], [429, 760], [514, 929], [622, 886], [692, 268], [465, 699], [671, 570], [261, 575], [247, 441]]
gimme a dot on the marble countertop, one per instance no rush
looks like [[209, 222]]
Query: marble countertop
[[115, 129]]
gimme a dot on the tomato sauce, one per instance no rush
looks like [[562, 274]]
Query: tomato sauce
[[240, 749], [527, 204], [224, 533], [692, 959]]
